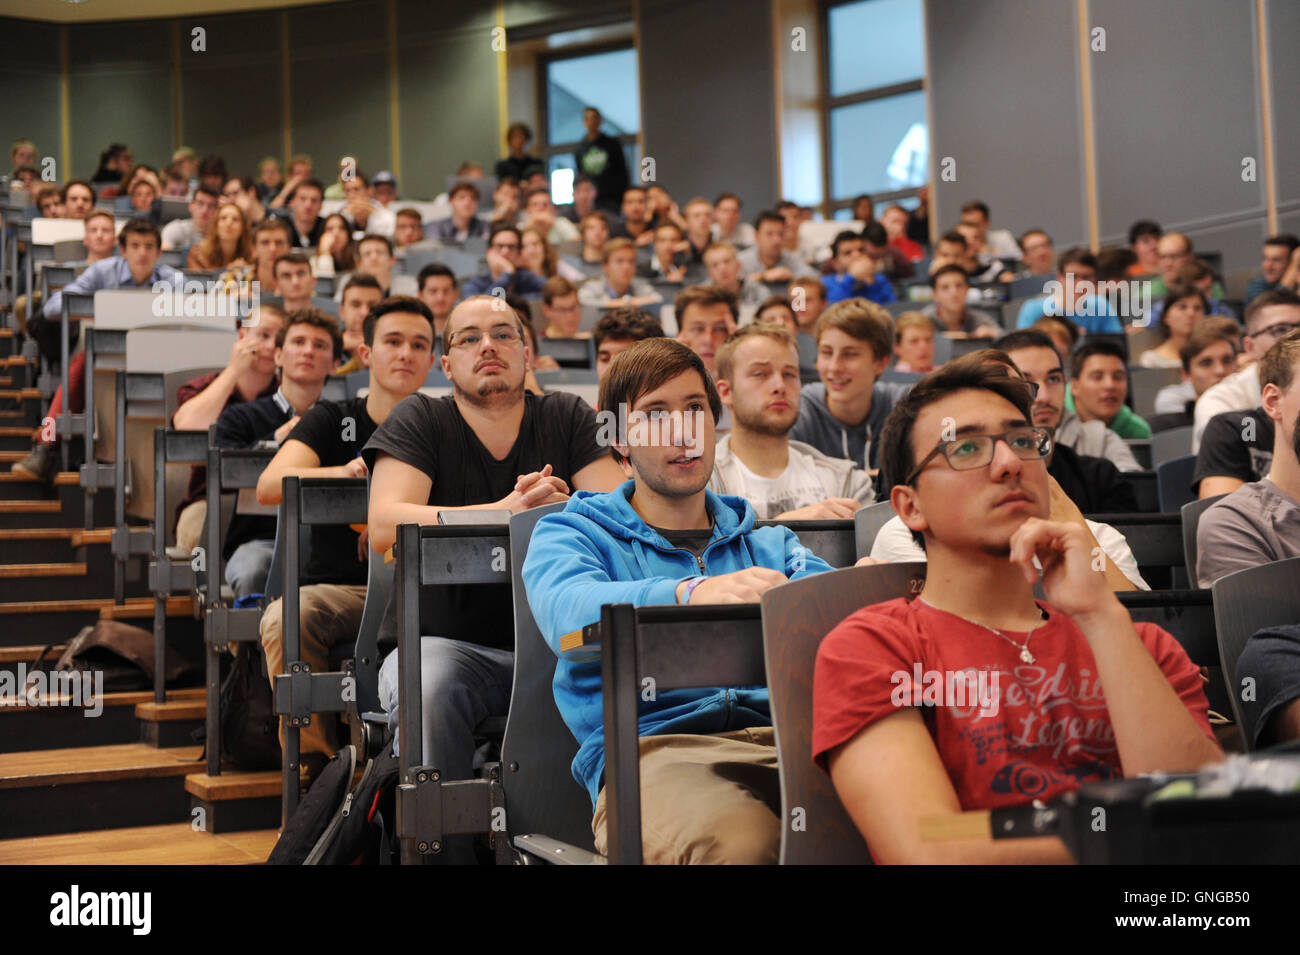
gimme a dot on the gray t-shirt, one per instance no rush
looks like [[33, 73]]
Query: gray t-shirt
[[1255, 524]]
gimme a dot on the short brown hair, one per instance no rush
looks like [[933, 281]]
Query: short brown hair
[[615, 245], [727, 352], [293, 258], [626, 323], [411, 213], [645, 366], [807, 283], [1277, 367], [704, 295], [860, 319], [1210, 329], [911, 320], [317, 319], [898, 452], [556, 287]]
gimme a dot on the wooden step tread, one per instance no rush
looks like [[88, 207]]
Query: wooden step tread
[[37, 533], [13, 457], [52, 767], [30, 507], [43, 570], [173, 844], [9, 431], [20, 394], [55, 606], [123, 698], [171, 711], [69, 478], [83, 538], [29, 653], [233, 784], [138, 608]]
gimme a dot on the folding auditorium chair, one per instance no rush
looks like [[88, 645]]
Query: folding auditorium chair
[[428, 807], [76, 307], [815, 829], [230, 470], [1156, 541], [684, 647], [170, 577], [300, 694], [1246, 602], [867, 523], [1174, 482], [1141, 448], [1146, 489], [144, 392], [1170, 444], [367, 721], [548, 813], [569, 352], [893, 375], [1145, 384], [1191, 517], [834, 541]]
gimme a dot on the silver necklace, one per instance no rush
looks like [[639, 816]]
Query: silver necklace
[[1025, 655]]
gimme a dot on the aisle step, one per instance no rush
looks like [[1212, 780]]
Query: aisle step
[[92, 788], [177, 843], [170, 724], [25, 727], [236, 800]]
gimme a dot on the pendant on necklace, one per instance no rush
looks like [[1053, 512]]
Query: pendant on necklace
[[1025, 655]]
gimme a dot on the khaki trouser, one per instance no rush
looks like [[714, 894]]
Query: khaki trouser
[[329, 614], [190, 525], [706, 799]]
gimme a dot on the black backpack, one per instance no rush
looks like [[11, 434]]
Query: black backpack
[[338, 824], [250, 729]]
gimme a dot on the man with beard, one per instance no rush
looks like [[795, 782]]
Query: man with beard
[[758, 379], [710, 791], [487, 446], [1260, 522]]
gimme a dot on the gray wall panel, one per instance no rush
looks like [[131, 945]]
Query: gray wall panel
[[29, 77], [1006, 108], [338, 75], [120, 90], [1283, 26], [448, 92], [1176, 105], [241, 64], [708, 107]]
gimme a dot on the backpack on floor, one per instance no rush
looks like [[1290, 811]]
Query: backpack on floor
[[338, 824], [250, 729]]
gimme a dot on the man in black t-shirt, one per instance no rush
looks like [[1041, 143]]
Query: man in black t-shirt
[[489, 445], [397, 347], [1236, 449], [307, 349]]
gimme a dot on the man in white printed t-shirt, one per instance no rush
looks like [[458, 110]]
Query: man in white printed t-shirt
[[758, 380]]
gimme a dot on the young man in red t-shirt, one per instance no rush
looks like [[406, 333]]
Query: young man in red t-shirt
[[969, 478]]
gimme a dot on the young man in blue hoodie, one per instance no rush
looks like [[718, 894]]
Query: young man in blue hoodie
[[709, 785], [843, 415]]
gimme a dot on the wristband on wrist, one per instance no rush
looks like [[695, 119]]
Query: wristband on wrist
[[690, 589]]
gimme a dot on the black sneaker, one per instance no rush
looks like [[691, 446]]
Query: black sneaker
[[40, 465]]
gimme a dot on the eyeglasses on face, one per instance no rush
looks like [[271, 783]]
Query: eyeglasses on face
[[1280, 330], [501, 335], [976, 450]]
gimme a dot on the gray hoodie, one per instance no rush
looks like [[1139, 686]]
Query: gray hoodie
[[818, 427]]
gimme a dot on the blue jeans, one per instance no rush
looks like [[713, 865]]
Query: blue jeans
[[461, 684], [248, 567]]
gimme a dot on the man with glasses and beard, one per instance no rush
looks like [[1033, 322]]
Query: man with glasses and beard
[[487, 446]]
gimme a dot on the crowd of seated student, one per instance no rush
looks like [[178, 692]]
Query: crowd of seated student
[[785, 452]]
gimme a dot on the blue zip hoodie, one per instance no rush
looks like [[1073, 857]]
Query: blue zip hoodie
[[599, 551]]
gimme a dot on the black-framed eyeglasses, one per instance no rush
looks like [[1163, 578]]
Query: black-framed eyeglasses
[[976, 450], [1280, 330]]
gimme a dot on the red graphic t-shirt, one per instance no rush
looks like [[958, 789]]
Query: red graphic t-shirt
[[1050, 732]]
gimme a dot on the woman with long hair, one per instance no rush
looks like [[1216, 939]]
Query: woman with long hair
[[1183, 308], [338, 250], [539, 257], [227, 244]]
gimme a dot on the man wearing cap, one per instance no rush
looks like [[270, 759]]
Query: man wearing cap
[[384, 188]]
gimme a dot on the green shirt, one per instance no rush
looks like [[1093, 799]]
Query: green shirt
[[1159, 290], [1126, 424]]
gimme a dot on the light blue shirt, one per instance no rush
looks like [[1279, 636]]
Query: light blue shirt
[[1092, 315], [105, 274]]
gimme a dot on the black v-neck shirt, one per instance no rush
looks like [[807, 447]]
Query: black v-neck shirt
[[430, 434]]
